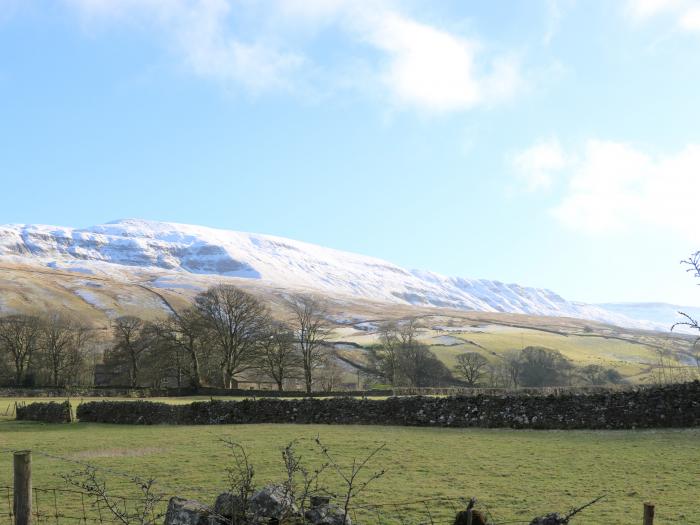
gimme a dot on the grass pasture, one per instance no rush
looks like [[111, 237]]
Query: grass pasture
[[634, 358], [517, 474]]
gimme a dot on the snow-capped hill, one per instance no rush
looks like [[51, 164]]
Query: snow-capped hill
[[137, 244], [661, 316]]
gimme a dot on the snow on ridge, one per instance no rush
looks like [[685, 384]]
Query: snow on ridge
[[281, 261]]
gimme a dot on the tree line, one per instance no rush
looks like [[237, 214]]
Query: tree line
[[227, 335], [226, 332], [400, 360], [48, 349]]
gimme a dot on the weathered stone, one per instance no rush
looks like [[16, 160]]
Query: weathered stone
[[635, 407], [550, 519], [186, 512], [51, 412], [272, 502], [228, 505], [317, 501], [327, 515]]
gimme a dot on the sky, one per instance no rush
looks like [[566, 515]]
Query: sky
[[552, 143]]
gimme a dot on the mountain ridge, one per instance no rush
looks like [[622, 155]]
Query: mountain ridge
[[128, 245]]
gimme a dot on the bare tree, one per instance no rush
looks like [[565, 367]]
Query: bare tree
[[19, 339], [311, 331], [384, 359], [396, 339], [330, 373], [141, 510], [133, 337], [541, 366], [693, 263], [471, 366], [420, 367], [62, 345], [401, 359], [186, 333], [350, 476], [279, 355], [407, 332], [693, 267], [237, 321], [513, 368], [241, 475], [301, 481]]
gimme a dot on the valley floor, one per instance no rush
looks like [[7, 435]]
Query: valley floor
[[515, 474]]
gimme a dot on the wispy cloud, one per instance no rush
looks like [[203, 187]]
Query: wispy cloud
[[538, 165], [685, 13], [198, 30], [418, 65], [613, 187]]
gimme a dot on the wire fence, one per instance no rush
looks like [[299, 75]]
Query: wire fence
[[9, 411], [60, 506], [69, 505]]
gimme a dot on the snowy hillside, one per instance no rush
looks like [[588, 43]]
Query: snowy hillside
[[660, 315], [130, 245]]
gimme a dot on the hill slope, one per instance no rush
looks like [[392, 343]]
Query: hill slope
[[170, 256]]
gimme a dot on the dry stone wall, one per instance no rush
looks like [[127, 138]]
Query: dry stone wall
[[650, 407], [52, 412]]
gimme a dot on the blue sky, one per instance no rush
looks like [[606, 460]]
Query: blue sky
[[549, 143]]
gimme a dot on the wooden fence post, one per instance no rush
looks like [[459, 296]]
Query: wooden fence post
[[648, 514], [23, 487]]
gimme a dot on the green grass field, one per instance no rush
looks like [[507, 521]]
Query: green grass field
[[632, 359], [517, 474]]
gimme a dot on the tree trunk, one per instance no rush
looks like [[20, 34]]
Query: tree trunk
[[196, 381], [307, 377], [134, 371], [19, 372], [55, 376]]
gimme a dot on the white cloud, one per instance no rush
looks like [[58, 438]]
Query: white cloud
[[690, 19], [555, 12], [438, 71], [641, 9], [613, 187], [420, 65], [538, 165], [427, 67], [686, 13], [199, 31]]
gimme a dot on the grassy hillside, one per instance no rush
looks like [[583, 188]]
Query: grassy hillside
[[99, 298], [515, 474], [633, 354]]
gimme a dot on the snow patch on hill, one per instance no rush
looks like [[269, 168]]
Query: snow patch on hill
[[126, 246]]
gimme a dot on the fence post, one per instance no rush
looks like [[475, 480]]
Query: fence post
[[648, 514], [23, 487]]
